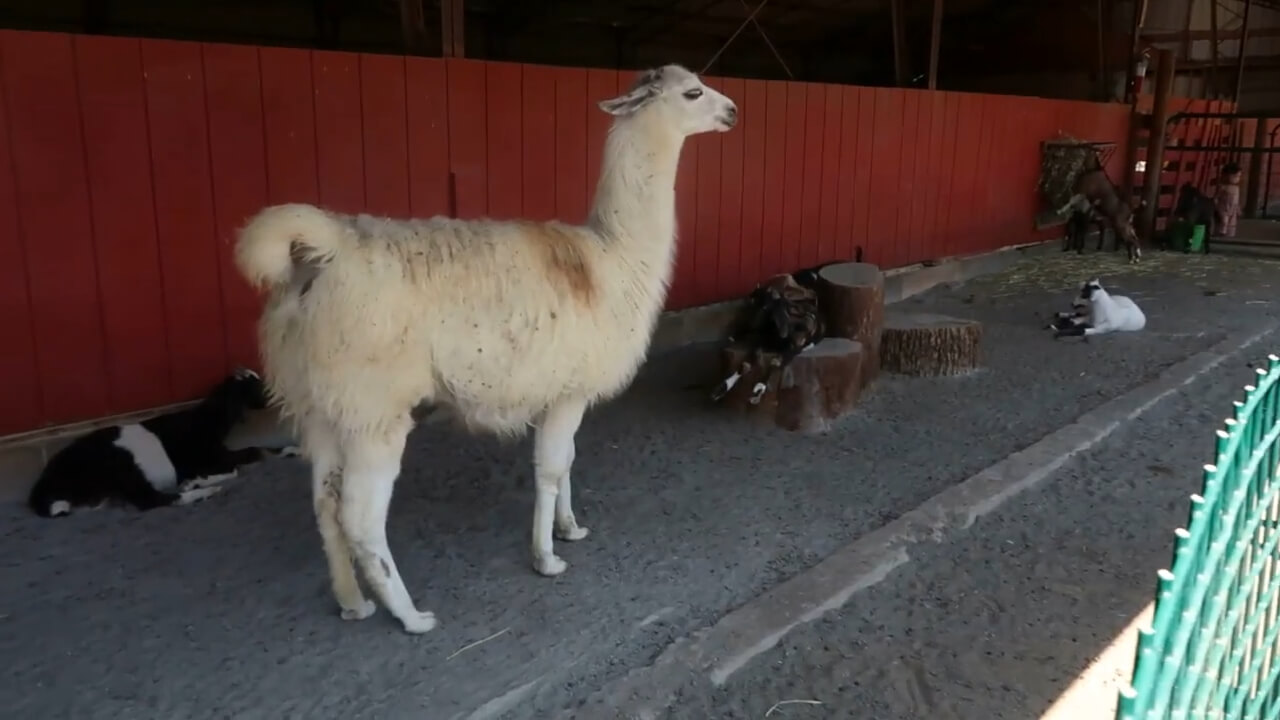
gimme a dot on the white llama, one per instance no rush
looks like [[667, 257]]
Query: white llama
[[506, 324]]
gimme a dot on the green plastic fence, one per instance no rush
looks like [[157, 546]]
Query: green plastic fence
[[1211, 651]]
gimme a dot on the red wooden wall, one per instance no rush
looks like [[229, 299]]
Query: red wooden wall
[[128, 164]]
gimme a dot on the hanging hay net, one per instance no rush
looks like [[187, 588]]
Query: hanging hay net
[[1062, 160]]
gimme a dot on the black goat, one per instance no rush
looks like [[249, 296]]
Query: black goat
[[175, 458], [781, 320], [1197, 208]]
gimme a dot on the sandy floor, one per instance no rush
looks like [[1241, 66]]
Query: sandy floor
[[222, 610], [1000, 621]]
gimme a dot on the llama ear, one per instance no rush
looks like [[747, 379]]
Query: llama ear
[[630, 102]]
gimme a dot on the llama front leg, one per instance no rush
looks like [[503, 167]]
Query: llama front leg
[[326, 499], [368, 480], [554, 451]]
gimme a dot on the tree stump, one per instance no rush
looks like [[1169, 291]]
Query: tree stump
[[820, 385], [927, 345], [851, 296]]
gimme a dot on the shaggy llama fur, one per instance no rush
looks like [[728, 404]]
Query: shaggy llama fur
[[506, 324]]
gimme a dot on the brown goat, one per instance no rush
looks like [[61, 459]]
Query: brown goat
[[1094, 189]]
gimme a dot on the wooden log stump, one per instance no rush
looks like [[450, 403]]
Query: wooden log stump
[[851, 297], [821, 385], [928, 345]]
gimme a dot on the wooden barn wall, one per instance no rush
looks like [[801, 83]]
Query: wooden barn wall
[[129, 163]]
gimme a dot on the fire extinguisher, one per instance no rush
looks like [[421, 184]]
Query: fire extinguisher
[[1140, 72]]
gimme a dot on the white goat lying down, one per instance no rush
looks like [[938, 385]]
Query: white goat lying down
[[506, 324], [1106, 313]]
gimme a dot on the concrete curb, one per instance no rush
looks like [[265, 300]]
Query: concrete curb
[[717, 652]]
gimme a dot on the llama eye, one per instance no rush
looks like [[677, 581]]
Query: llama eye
[[693, 94]]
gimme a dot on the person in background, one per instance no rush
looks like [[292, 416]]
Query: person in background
[[1227, 199]]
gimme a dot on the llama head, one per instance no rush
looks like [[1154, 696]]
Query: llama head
[[1091, 289], [239, 393], [680, 97]]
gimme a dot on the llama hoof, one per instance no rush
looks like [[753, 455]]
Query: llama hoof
[[420, 623], [573, 533], [549, 565], [290, 451], [58, 508], [359, 612]]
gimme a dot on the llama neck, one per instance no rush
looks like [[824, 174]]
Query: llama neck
[[635, 196]]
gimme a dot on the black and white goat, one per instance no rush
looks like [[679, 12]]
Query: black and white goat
[[172, 459], [781, 319], [1107, 313]]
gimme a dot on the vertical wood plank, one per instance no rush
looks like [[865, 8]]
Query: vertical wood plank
[[706, 231], [427, 106], [920, 197], [732, 161], [539, 147], [180, 164], [905, 197], [289, 122], [468, 159], [775, 180], [571, 150], [683, 288], [503, 140], [339, 130], [753, 109], [974, 193], [793, 190], [864, 234], [239, 174], [832, 125], [20, 403], [127, 257], [846, 199], [385, 134], [57, 234], [811, 184], [886, 162], [933, 246], [948, 186]]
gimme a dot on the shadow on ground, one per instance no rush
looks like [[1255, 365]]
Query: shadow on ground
[[223, 610]]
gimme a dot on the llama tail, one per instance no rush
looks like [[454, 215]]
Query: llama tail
[[281, 236]]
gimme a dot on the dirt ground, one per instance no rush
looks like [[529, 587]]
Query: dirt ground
[[222, 609]]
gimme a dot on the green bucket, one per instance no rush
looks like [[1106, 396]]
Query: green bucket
[[1187, 237]]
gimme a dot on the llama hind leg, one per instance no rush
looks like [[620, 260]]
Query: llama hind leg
[[553, 505], [326, 499], [369, 476]]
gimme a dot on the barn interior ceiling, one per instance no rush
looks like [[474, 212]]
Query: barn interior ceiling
[[823, 40]]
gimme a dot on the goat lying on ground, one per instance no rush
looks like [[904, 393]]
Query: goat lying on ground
[[781, 319], [172, 459], [1095, 189], [1107, 313], [1197, 208], [505, 324]]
